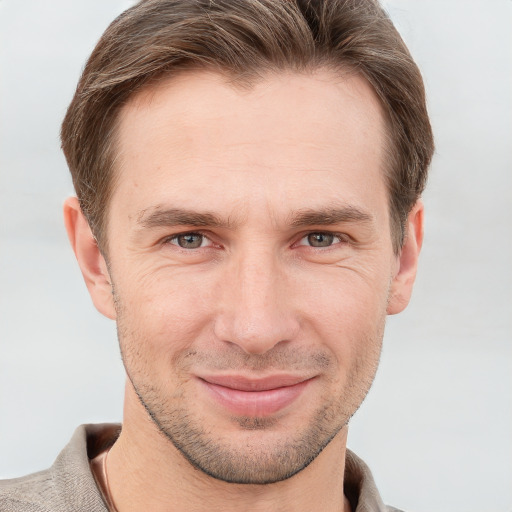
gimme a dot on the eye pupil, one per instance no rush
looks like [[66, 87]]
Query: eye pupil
[[190, 240], [320, 239]]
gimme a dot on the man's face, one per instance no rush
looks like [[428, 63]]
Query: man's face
[[251, 259]]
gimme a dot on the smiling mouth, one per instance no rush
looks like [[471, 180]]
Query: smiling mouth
[[255, 397]]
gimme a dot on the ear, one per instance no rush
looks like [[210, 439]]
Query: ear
[[403, 280], [91, 261]]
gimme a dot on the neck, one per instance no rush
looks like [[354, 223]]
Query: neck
[[146, 472]]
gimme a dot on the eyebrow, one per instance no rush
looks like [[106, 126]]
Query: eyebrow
[[329, 216], [181, 217], [301, 218]]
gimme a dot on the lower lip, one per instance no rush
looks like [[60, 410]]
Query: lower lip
[[255, 403]]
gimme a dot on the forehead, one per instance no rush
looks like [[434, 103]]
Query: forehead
[[198, 137]]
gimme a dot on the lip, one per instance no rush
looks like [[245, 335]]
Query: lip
[[255, 397]]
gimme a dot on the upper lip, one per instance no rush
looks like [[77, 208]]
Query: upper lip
[[243, 383]]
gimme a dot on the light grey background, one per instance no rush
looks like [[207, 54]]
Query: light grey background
[[437, 426]]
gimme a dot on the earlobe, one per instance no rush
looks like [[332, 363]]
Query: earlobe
[[403, 281], [91, 261]]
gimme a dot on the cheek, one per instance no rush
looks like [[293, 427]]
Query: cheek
[[348, 313], [160, 315], [345, 294]]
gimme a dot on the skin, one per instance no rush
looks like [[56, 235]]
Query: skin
[[279, 192]]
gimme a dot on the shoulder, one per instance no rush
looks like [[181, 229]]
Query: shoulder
[[68, 486], [31, 493]]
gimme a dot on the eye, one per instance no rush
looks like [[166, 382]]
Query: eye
[[190, 240], [320, 239]]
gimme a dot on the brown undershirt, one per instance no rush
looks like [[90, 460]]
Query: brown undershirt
[[98, 468]]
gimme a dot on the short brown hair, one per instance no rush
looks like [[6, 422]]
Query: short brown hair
[[245, 38]]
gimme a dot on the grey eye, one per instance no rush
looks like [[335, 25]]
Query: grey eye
[[189, 240], [320, 239]]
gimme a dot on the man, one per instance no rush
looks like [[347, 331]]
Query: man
[[248, 177]]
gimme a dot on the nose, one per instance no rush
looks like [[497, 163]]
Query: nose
[[255, 309]]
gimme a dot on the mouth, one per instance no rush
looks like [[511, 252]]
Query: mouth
[[260, 397]]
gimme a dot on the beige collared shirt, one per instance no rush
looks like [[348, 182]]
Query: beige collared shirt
[[69, 485]]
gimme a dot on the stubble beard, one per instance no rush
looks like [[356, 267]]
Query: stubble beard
[[264, 454]]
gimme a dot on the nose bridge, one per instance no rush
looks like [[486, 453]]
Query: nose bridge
[[260, 282], [255, 313]]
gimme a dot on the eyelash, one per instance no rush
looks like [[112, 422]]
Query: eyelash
[[174, 238], [342, 239]]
